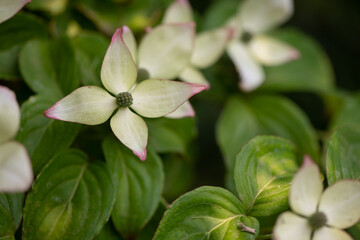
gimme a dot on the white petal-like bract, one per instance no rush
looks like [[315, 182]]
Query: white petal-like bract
[[9, 114], [192, 75], [9, 8], [89, 105], [210, 46], [131, 130], [341, 203], [271, 52], [262, 15], [291, 227], [326, 233], [251, 73], [16, 174], [166, 50], [178, 12], [130, 42], [118, 71], [157, 97], [306, 189], [185, 110]]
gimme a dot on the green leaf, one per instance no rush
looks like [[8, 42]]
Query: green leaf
[[343, 154], [349, 113], [139, 187], [311, 72], [53, 6], [43, 137], [9, 63], [206, 213], [263, 172], [90, 50], [163, 139], [149, 230], [19, 29], [49, 67], [108, 232], [218, 13], [243, 119], [235, 127], [179, 175], [10, 214], [171, 135], [70, 199]]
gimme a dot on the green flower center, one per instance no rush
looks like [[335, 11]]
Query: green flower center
[[317, 220], [246, 37], [124, 99]]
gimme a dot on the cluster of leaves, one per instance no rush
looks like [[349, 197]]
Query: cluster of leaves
[[84, 175]]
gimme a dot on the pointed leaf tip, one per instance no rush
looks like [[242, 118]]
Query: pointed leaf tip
[[141, 155]]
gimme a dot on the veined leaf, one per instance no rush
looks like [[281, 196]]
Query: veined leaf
[[70, 199], [149, 230], [243, 119], [19, 29], [108, 232], [10, 214], [349, 113], [206, 213], [263, 172], [9, 63], [90, 51], [343, 154], [43, 137], [138, 187], [49, 67]]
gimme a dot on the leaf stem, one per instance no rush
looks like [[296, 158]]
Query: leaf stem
[[246, 228]]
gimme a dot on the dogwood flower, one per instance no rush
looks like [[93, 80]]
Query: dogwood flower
[[15, 166], [251, 47], [9, 8], [318, 215], [150, 98], [209, 45], [175, 39]]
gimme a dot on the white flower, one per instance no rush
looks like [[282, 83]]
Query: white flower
[[9, 8], [251, 47], [318, 215], [209, 46], [162, 54], [15, 166]]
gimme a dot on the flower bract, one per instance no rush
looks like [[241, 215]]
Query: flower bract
[[318, 214], [252, 47], [124, 99], [9, 8], [16, 173]]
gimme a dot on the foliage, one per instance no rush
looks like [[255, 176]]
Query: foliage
[[147, 177]]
